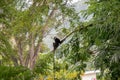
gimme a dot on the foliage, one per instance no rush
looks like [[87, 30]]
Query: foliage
[[63, 69], [44, 64], [15, 73], [23, 25], [105, 35]]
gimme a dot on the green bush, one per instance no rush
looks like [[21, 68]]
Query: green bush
[[15, 73]]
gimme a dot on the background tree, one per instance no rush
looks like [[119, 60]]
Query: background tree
[[104, 34], [26, 23]]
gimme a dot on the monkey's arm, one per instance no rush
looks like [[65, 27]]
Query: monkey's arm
[[75, 31], [68, 36]]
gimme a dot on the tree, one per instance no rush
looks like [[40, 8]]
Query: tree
[[25, 24], [105, 35]]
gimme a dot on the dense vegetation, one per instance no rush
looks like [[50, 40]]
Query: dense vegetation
[[25, 23]]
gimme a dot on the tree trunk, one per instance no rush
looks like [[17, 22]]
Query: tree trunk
[[20, 51], [34, 57], [31, 51]]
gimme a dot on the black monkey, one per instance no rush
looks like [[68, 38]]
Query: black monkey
[[56, 43]]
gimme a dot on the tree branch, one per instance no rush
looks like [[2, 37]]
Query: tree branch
[[47, 21]]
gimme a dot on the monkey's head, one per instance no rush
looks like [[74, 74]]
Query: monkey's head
[[55, 38]]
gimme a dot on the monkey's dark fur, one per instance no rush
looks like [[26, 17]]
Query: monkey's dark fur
[[57, 42]]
